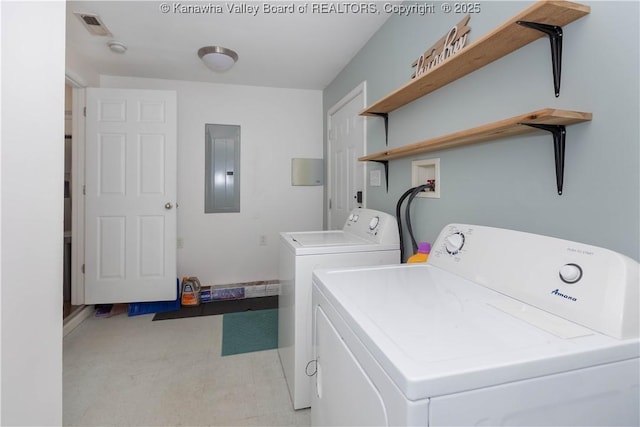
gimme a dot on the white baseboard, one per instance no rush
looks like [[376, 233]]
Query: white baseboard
[[76, 318]]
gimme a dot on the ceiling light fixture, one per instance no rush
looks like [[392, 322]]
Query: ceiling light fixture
[[117, 47], [217, 58]]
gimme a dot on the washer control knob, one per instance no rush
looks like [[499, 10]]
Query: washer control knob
[[374, 222], [356, 218], [350, 217], [454, 243], [570, 273]]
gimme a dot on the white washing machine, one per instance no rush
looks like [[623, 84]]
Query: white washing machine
[[368, 237], [498, 328]]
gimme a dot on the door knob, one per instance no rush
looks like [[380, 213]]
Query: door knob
[[168, 205]]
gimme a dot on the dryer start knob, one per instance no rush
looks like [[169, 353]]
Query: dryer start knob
[[570, 273]]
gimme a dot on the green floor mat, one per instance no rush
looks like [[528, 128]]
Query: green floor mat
[[249, 331]]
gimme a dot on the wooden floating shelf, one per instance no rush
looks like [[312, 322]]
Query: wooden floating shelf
[[501, 129], [505, 39]]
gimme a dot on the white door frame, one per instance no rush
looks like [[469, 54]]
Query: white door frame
[[361, 88], [77, 183]]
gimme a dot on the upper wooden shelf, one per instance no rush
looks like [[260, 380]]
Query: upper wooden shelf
[[504, 128], [505, 39]]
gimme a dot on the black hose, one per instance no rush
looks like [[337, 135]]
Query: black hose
[[412, 191], [407, 213], [399, 220]]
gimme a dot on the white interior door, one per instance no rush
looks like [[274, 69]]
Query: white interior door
[[130, 196], [346, 143]]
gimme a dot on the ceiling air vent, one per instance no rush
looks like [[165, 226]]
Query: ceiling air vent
[[93, 24]]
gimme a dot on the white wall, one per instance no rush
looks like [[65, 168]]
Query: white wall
[[32, 212], [79, 70], [276, 125]]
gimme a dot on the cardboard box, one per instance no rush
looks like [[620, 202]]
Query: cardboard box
[[272, 289], [255, 291], [205, 294], [227, 293]]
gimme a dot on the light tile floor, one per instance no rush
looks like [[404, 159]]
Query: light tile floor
[[135, 372]]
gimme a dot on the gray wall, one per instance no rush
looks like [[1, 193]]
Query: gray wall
[[510, 183]]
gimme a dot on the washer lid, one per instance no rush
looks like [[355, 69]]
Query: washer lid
[[328, 242], [327, 238], [435, 333]]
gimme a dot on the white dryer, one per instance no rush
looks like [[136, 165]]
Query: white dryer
[[368, 237], [498, 328]]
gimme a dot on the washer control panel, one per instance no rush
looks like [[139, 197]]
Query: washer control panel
[[377, 226], [592, 286]]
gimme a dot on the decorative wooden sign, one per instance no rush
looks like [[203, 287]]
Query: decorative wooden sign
[[444, 48]]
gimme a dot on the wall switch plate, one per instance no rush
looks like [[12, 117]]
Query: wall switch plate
[[426, 171], [375, 178]]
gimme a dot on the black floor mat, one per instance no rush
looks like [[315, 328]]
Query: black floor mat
[[220, 307]]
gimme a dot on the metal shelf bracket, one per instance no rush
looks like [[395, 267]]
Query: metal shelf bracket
[[385, 116], [559, 138], [555, 38]]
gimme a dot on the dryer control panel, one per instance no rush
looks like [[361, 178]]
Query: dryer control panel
[[594, 287]]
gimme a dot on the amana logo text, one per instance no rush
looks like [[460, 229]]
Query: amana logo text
[[569, 297]]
